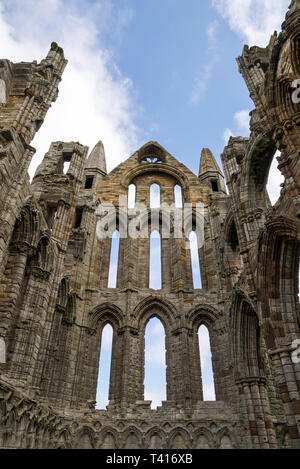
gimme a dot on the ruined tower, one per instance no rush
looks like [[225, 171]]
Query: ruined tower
[[55, 297]]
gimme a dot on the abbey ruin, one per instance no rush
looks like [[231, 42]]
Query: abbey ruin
[[54, 295]]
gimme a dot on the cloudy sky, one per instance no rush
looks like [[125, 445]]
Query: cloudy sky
[[143, 70]]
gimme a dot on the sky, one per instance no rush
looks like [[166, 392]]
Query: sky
[[141, 70]]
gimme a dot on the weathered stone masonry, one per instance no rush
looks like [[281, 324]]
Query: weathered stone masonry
[[54, 299]]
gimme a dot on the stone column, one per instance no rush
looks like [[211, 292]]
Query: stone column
[[255, 411], [27, 337], [11, 286], [287, 375]]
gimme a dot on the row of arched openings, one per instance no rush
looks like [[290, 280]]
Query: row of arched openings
[[155, 260], [155, 364], [155, 199]]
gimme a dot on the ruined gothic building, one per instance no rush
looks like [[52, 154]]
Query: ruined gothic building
[[54, 267]]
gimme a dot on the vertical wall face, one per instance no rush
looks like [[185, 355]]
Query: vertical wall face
[[132, 302], [269, 237], [26, 93], [26, 251]]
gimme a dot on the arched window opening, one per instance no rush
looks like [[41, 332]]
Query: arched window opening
[[102, 396], [114, 260], [249, 354], [131, 195], [275, 179], [155, 363], [208, 385], [66, 167], [233, 237], [89, 181], [52, 216], [62, 293], [78, 217], [195, 264], [214, 185], [178, 196], [154, 196], [155, 261]]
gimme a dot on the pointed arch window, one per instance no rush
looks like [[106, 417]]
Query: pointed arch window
[[52, 216], [233, 237], [155, 362], [102, 395], [114, 260], [215, 185], [195, 264], [155, 261], [131, 195], [178, 196], [89, 181], [154, 196], [208, 385], [275, 179]]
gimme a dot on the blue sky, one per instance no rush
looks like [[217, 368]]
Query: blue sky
[[143, 70]]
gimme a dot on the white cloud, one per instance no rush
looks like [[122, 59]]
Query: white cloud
[[156, 395], [242, 119], [226, 135], [157, 329], [156, 353], [209, 393], [201, 81], [253, 20], [95, 101]]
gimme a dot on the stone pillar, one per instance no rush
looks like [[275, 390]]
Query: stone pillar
[[27, 337], [62, 223], [287, 375], [255, 411], [180, 258], [11, 287]]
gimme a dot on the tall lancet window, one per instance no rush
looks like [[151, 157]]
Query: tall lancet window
[[104, 367], [195, 264], [114, 260], [208, 384], [131, 195], [155, 363], [155, 261], [178, 196], [154, 196]]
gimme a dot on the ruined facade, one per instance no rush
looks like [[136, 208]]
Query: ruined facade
[[54, 295]]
